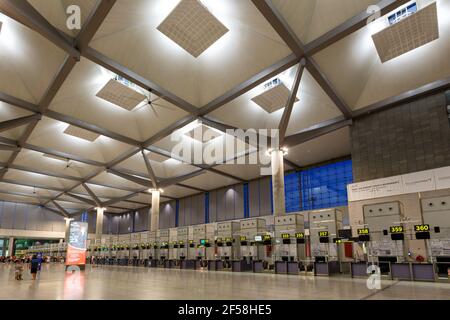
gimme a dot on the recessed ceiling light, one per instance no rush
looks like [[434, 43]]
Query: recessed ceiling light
[[81, 133], [122, 93], [192, 27], [275, 96], [410, 32]]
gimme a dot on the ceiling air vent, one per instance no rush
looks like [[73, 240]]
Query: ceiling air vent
[[122, 93], [81, 133], [274, 97], [409, 30], [192, 27]]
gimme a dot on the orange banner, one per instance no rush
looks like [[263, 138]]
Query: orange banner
[[75, 256]]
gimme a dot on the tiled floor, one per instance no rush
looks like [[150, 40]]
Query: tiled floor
[[143, 283]]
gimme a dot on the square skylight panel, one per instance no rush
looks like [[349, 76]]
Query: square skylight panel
[[203, 133], [81, 133], [275, 96], [192, 27], [409, 33], [121, 94]]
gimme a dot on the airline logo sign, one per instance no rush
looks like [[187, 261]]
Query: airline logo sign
[[76, 247], [429, 180]]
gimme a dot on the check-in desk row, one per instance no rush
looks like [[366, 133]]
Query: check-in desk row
[[409, 271]]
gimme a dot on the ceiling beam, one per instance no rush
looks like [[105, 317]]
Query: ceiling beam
[[55, 211], [405, 97], [14, 123], [63, 155], [168, 182], [25, 13], [316, 131], [284, 122], [91, 127], [116, 200], [92, 194], [169, 130], [326, 85], [93, 23], [6, 98], [132, 178], [277, 22], [150, 170], [82, 199], [251, 83], [123, 71], [350, 26], [41, 172], [63, 211], [283, 29], [5, 147]]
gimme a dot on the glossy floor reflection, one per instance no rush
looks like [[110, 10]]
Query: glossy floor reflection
[[143, 283]]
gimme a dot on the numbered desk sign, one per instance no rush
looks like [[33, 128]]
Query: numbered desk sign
[[285, 236], [396, 229], [300, 235], [363, 231], [422, 228], [323, 233], [243, 238]]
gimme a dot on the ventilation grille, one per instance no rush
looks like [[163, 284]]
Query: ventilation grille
[[203, 133], [120, 95], [274, 98], [192, 27], [408, 34], [81, 133]]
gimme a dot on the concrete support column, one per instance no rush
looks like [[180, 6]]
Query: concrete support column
[[99, 223], [154, 213], [277, 164], [11, 246]]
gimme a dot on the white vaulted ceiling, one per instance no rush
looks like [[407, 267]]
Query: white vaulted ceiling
[[41, 74]]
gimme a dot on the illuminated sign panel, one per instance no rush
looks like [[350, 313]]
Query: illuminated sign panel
[[285, 236], [300, 235], [323, 233], [363, 231], [396, 229], [76, 247], [422, 228]]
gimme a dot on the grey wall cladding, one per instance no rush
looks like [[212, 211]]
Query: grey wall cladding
[[411, 137]]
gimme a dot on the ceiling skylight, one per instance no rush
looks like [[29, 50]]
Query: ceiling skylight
[[192, 27], [81, 133], [274, 97]]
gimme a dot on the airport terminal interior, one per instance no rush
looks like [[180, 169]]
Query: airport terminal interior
[[224, 149]]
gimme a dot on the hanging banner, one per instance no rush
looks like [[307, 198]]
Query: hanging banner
[[76, 247], [429, 180]]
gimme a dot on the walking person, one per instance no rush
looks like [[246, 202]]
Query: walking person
[[34, 265], [18, 269]]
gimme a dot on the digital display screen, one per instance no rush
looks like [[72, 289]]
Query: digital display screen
[[203, 242], [323, 233], [243, 238], [181, 242], [422, 228], [300, 235], [258, 238], [76, 248], [191, 241], [219, 240], [267, 237], [285, 236], [363, 231], [396, 229]]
